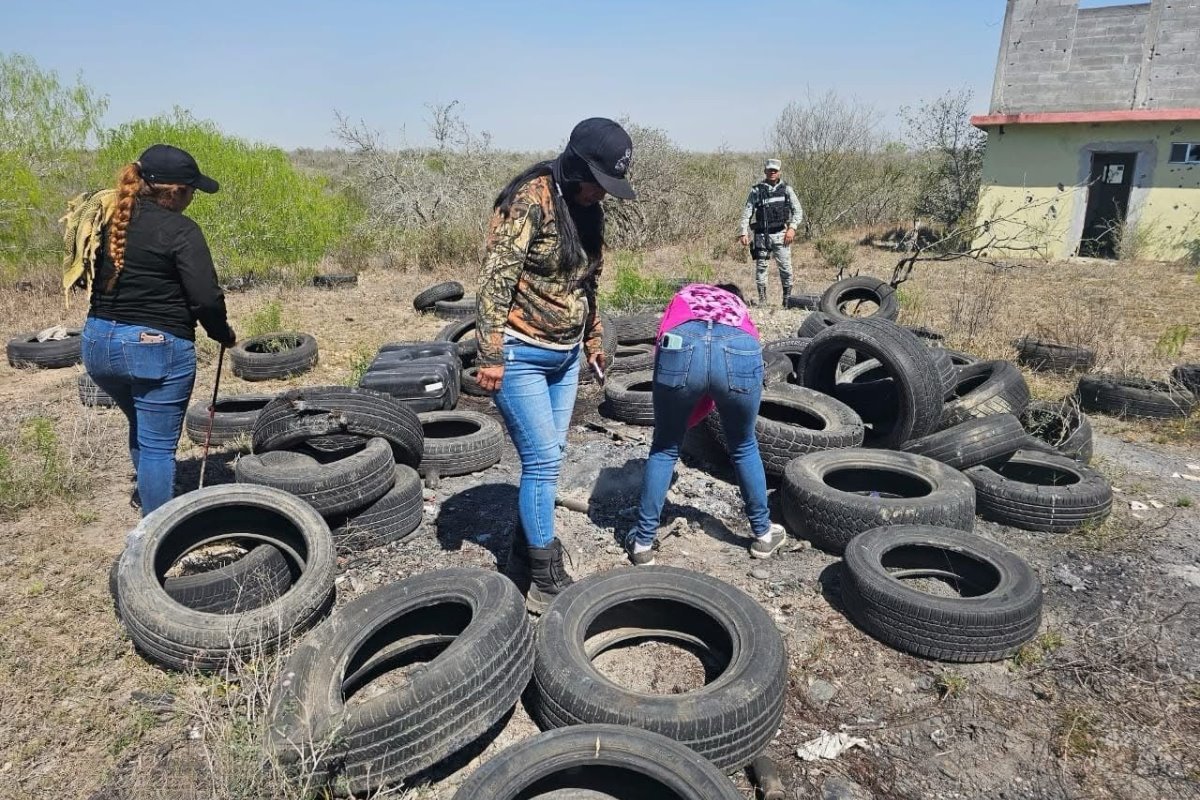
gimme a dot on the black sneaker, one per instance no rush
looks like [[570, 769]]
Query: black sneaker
[[766, 545], [640, 558]]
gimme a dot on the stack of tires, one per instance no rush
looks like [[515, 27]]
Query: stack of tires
[[480, 655], [445, 300], [352, 454], [423, 375], [232, 418]]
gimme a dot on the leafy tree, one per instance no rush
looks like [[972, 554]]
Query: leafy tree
[[843, 171]]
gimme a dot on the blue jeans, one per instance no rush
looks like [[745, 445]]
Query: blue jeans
[[151, 382], [536, 397], [724, 363]]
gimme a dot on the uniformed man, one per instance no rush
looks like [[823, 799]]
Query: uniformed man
[[772, 212]]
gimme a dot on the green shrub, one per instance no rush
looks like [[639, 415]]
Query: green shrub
[[632, 289], [838, 255], [267, 319], [32, 468], [268, 215]]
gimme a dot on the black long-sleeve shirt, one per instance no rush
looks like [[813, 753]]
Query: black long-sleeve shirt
[[168, 282]]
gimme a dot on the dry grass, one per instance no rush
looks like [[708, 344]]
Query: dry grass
[[67, 673]]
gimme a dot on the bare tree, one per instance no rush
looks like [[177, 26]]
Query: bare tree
[[432, 204], [950, 156], [842, 169]]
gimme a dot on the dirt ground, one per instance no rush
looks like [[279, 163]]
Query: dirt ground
[[1104, 704]]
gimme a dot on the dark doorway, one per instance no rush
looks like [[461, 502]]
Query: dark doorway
[[1108, 202]]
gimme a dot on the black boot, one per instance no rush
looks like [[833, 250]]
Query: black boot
[[549, 576], [516, 567], [762, 295], [787, 292]]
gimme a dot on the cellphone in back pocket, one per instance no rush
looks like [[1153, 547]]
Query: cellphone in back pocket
[[671, 341]]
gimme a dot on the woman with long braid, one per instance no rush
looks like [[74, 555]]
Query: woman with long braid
[[154, 281]]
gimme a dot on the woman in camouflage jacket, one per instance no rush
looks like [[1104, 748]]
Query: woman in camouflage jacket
[[536, 311]]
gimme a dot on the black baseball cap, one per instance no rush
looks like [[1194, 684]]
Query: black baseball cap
[[606, 148], [162, 163]]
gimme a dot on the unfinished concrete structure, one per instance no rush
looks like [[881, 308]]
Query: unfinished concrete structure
[[1094, 131]]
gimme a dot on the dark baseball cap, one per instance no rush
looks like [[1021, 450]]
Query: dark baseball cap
[[607, 149], [162, 163]]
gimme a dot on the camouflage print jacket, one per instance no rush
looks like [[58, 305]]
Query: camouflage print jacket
[[522, 290]]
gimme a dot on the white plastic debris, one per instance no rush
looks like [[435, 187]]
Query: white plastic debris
[[828, 745], [1193, 467], [1186, 477], [1134, 505], [1156, 503]]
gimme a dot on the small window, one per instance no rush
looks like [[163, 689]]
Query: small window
[[1185, 153], [1114, 173]]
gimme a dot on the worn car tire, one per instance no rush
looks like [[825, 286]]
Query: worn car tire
[[637, 328], [470, 628], [598, 762], [455, 309], [999, 602], [92, 395], [1187, 376], [861, 288], [929, 336], [1061, 426], [183, 638], [460, 442], [1134, 397], [961, 359], [976, 441], [335, 280], [815, 323], [462, 334], [391, 518], [273, 355], [831, 497], [632, 358], [1037, 491], [448, 290], [793, 421], [983, 389], [793, 348], [806, 302], [300, 415], [260, 576], [235, 416], [338, 486], [468, 382], [728, 721], [24, 350], [1045, 356], [630, 397], [918, 388]]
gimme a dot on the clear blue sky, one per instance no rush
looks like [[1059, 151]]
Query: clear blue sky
[[709, 73]]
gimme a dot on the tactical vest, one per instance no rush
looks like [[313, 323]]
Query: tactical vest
[[773, 208]]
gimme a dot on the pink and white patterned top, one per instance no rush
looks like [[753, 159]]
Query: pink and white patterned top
[[702, 301]]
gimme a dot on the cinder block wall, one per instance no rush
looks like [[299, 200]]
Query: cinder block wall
[[1055, 56]]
